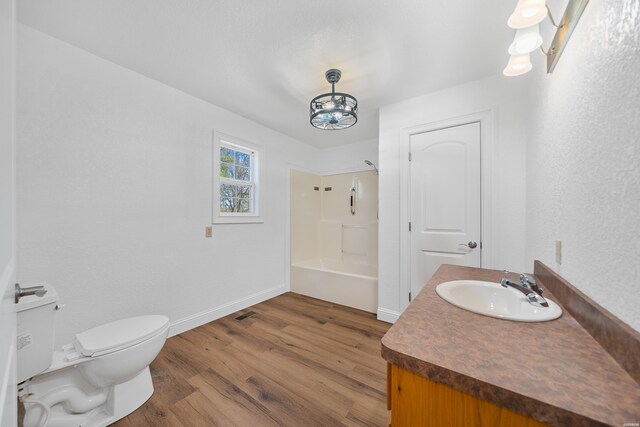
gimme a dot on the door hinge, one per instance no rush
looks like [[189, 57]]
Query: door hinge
[[409, 225], [409, 155], [409, 296]]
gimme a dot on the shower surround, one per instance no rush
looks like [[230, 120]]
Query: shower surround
[[334, 237]]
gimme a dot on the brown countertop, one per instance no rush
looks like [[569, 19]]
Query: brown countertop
[[553, 372]]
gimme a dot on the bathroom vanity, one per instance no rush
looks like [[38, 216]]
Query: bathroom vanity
[[449, 366]]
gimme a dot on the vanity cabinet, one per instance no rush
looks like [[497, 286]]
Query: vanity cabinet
[[501, 373], [417, 401]]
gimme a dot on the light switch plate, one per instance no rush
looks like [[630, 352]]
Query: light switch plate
[[208, 231]]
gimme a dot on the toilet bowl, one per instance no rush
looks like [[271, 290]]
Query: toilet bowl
[[99, 378]]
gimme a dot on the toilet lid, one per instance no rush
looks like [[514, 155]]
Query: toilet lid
[[118, 335]]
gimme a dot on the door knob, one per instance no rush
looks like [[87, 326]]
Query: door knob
[[470, 245], [38, 291]]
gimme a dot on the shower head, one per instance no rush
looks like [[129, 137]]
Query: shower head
[[372, 165]]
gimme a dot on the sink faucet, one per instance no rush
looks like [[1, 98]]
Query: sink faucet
[[528, 287]]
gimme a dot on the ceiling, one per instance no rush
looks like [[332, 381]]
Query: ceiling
[[265, 59]]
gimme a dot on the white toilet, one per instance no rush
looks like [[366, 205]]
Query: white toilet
[[100, 378]]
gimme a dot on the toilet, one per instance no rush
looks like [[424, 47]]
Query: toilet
[[96, 380]]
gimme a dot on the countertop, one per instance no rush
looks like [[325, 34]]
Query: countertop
[[553, 372]]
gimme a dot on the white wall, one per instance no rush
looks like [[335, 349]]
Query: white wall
[[583, 159], [8, 413], [347, 158], [503, 98], [114, 192]]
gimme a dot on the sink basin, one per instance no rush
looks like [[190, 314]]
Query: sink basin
[[493, 300]]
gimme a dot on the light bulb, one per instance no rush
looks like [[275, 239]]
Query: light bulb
[[526, 40], [518, 65], [528, 13]]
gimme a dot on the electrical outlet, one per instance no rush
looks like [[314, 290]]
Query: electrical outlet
[[558, 252], [208, 231]]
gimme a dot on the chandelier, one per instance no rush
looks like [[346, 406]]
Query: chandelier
[[335, 110]]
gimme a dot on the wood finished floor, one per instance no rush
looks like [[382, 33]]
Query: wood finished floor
[[298, 361]]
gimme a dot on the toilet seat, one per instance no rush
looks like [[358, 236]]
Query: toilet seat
[[119, 335]]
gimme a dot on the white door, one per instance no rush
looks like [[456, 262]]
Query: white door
[[445, 201], [8, 398]]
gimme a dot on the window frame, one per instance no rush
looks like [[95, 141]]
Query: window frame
[[256, 151]]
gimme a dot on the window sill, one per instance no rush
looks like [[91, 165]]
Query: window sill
[[231, 219]]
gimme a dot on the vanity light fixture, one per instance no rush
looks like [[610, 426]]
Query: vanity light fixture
[[526, 19], [335, 110]]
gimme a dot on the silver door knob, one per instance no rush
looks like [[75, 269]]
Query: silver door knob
[[470, 245]]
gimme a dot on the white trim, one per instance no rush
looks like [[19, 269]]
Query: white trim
[[354, 169], [287, 230], [287, 247], [8, 383], [345, 170], [386, 315], [190, 322], [8, 390], [258, 167], [486, 120], [7, 276]]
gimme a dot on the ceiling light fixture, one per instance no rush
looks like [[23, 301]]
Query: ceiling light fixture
[[526, 19], [335, 110]]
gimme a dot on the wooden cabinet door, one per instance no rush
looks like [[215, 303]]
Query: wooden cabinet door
[[417, 401]]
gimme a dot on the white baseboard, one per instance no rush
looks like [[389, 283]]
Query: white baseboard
[[386, 315], [198, 319]]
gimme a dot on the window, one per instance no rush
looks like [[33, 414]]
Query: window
[[236, 180]]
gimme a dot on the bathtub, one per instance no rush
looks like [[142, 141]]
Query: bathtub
[[346, 283]]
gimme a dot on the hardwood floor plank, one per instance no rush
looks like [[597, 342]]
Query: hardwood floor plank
[[292, 360], [199, 411], [307, 346], [152, 413], [169, 383], [312, 387], [335, 344], [370, 376], [367, 412], [232, 401]]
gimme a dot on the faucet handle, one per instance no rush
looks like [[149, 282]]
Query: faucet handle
[[528, 281], [528, 278], [531, 281], [523, 277]]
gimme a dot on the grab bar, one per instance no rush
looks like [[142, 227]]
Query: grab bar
[[353, 200]]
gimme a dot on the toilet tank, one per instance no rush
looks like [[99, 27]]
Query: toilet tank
[[35, 332]]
